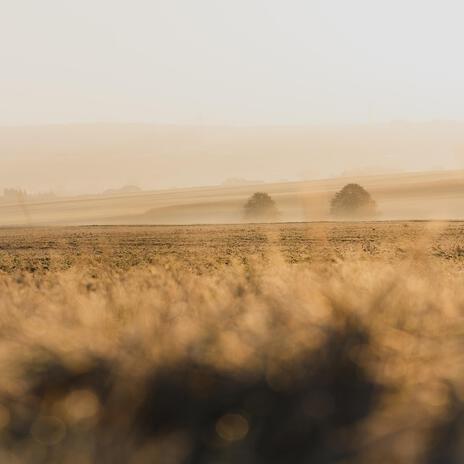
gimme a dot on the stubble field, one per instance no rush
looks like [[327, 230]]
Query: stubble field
[[207, 247], [279, 343]]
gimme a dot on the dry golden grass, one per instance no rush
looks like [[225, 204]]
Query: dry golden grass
[[242, 344], [203, 247]]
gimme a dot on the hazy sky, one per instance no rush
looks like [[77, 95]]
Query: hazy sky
[[230, 61]]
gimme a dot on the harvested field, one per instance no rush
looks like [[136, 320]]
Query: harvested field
[[209, 246], [279, 343]]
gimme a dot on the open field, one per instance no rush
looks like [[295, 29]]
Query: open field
[[429, 195], [231, 232], [278, 343], [203, 247]]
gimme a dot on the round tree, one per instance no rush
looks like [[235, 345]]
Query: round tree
[[352, 201], [261, 207]]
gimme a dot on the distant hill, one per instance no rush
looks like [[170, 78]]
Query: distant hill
[[234, 182], [423, 195], [85, 157], [123, 190]]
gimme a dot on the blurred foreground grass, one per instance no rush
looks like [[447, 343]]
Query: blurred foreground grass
[[310, 345]]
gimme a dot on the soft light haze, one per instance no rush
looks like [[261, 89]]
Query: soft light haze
[[85, 158], [230, 62]]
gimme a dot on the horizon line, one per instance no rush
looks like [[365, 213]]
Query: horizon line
[[398, 121]]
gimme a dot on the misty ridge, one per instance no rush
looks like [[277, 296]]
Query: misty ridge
[[91, 158], [231, 232], [147, 174]]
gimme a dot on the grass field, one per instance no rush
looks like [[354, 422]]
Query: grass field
[[277, 343], [211, 246], [426, 195]]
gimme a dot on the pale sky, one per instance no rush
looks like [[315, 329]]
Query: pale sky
[[230, 61]]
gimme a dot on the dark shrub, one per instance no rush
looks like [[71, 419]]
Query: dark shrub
[[352, 201], [261, 207]]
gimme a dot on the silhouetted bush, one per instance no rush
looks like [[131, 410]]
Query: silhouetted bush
[[261, 207], [352, 201], [198, 413], [352, 361]]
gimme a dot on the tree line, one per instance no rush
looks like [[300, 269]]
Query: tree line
[[352, 202]]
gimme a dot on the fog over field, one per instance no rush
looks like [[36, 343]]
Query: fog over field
[[433, 195], [231, 232], [188, 174], [90, 158]]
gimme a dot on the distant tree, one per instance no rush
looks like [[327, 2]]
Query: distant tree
[[352, 201], [261, 207]]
